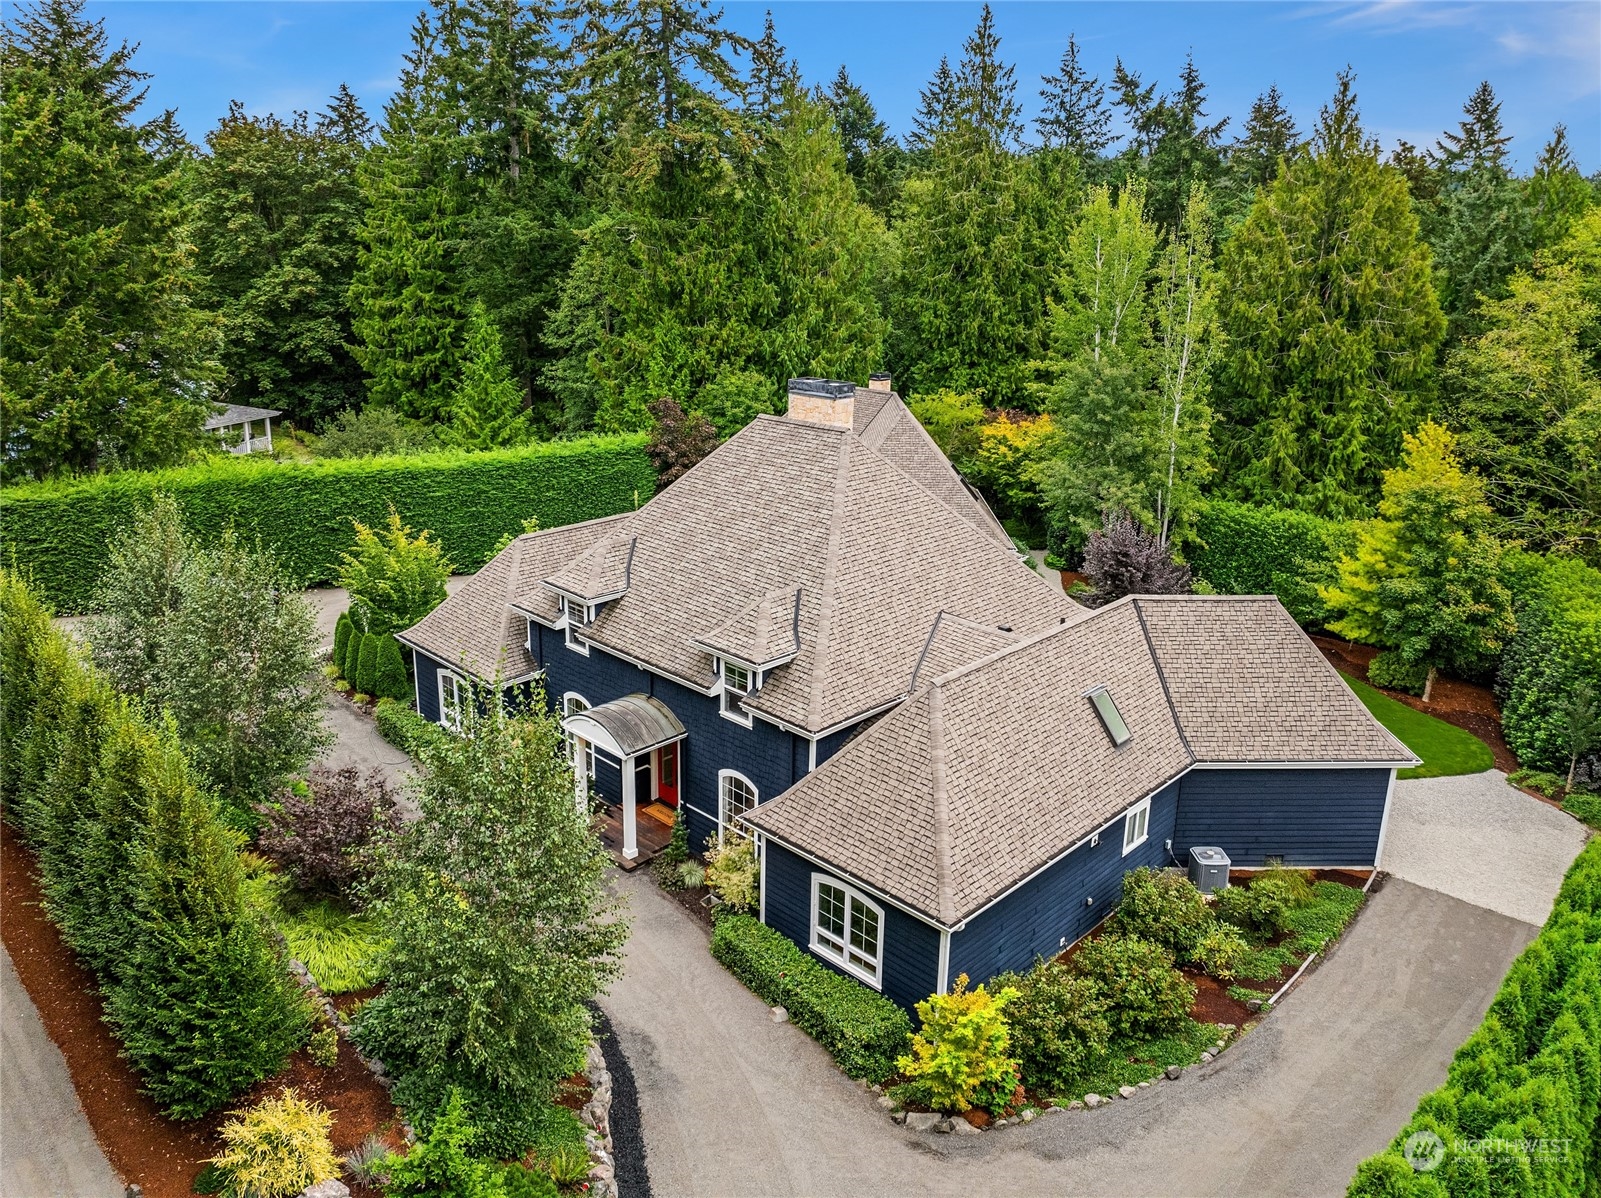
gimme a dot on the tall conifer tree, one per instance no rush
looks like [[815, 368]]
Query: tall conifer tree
[[1073, 112], [488, 410]]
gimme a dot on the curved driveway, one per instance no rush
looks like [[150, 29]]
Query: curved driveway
[[734, 1104]]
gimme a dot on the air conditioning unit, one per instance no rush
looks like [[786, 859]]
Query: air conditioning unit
[[1209, 869]]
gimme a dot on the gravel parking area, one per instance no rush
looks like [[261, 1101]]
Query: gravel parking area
[[1478, 838]]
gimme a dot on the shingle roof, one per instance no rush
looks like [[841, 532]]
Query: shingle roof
[[792, 506], [235, 413], [996, 768], [476, 628], [954, 642], [766, 630], [600, 572]]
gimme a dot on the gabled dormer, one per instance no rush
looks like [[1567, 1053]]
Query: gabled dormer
[[584, 586], [759, 638]]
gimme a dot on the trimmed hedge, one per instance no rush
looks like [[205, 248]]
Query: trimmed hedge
[[1557, 646], [1518, 1112], [1247, 550], [404, 728], [60, 533], [863, 1031]]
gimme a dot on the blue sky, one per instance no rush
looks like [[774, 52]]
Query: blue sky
[[1416, 60]]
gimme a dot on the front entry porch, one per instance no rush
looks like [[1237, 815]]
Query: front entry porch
[[645, 738]]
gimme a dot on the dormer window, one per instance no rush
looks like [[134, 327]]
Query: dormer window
[[735, 686], [576, 614], [1111, 718]]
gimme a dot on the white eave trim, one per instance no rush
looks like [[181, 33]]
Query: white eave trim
[[846, 876], [1307, 765]]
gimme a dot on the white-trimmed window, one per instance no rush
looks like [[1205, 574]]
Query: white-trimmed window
[[736, 685], [1136, 827], [571, 704], [454, 695], [575, 614], [848, 929], [736, 795]]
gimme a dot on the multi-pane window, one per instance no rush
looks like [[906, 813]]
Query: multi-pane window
[[847, 929], [453, 699], [736, 797], [1137, 826], [736, 685]]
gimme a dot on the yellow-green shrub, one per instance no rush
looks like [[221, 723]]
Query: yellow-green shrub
[[278, 1147], [961, 1047], [732, 871]]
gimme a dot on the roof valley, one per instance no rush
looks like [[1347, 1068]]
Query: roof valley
[[826, 594]]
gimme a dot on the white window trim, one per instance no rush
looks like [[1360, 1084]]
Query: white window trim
[[589, 749], [570, 627], [724, 824], [728, 700], [1130, 818], [827, 952], [463, 695]]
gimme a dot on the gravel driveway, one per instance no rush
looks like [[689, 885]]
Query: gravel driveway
[[733, 1104]]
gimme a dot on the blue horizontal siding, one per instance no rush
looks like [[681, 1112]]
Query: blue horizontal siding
[[910, 946], [1050, 910], [1300, 816], [427, 686]]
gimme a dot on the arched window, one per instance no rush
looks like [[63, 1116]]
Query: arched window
[[571, 704], [736, 794], [848, 928]]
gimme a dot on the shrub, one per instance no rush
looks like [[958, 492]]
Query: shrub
[[1121, 559], [277, 1148], [1393, 672], [862, 1030], [1264, 905], [520, 1182], [372, 432], [343, 952], [1221, 952], [960, 1047], [733, 874], [304, 509], [441, 1166], [366, 676], [678, 440], [405, 729], [1144, 995], [323, 1047], [394, 578], [1249, 550], [1164, 907], [342, 628], [322, 831], [390, 680], [1058, 1024], [1556, 651]]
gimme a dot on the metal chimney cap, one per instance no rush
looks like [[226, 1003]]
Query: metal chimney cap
[[822, 388]]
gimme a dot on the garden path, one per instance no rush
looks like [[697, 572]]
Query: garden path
[[734, 1104], [46, 1146]]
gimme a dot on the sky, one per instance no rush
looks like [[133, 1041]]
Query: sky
[[1416, 60]]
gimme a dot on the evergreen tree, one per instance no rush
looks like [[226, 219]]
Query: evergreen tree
[[1269, 138], [1557, 193], [1479, 140], [488, 409], [1138, 101], [1185, 151], [276, 209], [104, 357], [1313, 402], [969, 304], [389, 677], [1073, 112], [872, 157], [1424, 579], [773, 74], [408, 310], [366, 679], [342, 628], [936, 106]]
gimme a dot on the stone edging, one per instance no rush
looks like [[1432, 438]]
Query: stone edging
[[929, 1121], [596, 1118]]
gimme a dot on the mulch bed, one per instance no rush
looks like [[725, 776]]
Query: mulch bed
[[1465, 704], [144, 1146]]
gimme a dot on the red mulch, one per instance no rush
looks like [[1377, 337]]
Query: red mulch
[[575, 1093], [1464, 704], [143, 1145]]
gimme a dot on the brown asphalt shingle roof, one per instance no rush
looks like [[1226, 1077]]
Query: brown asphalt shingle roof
[[991, 771]]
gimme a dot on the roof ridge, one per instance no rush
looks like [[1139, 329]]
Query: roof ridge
[[942, 806], [825, 598], [1161, 676]]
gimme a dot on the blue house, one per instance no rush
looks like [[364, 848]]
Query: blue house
[[822, 638]]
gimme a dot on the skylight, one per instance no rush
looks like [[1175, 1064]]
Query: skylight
[[1111, 718]]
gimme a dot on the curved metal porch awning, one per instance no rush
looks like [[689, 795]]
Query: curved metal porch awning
[[628, 726]]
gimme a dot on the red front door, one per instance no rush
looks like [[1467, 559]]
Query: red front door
[[667, 774]]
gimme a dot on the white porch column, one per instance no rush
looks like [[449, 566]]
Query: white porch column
[[267, 424], [630, 842], [580, 776], [247, 436]]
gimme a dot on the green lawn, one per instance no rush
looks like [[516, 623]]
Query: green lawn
[[1445, 748]]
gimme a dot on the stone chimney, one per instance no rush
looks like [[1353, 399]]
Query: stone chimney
[[879, 382], [822, 401]]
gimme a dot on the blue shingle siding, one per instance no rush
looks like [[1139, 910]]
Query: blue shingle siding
[[427, 686], [768, 756], [1049, 910], [911, 947], [1302, 816]]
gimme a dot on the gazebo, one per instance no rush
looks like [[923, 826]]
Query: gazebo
[[239, 416]]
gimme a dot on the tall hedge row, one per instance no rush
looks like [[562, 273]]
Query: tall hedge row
[[59, 533], [1519, 1109], [1246, 550], [1557, 646]]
